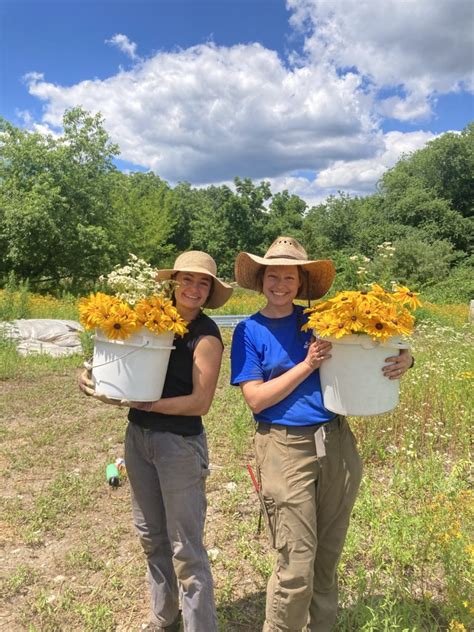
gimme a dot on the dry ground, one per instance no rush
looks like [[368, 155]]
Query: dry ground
[[69, 555]]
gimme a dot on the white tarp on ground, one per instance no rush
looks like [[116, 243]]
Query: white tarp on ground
[[44, 335]]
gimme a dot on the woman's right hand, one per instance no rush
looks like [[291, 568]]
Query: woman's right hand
[[87, 386], [318, 351], [85, 382]]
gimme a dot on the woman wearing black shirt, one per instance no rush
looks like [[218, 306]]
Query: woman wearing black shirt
[[167, 459]]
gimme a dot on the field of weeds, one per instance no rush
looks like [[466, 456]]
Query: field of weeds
[[70, 557]]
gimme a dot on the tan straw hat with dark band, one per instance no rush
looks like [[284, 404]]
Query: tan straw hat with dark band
[[202, 263], [287, 251]]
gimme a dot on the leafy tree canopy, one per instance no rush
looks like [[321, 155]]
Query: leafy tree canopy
[[68, 215]]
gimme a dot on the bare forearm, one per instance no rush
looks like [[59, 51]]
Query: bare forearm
[[186, 405], [265, 394]]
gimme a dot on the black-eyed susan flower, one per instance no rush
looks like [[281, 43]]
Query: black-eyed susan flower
[[378, 290], [379, 329], [341, 328], [355, 317], [405, 296], [177, 324], [95, 309], [121, 322]]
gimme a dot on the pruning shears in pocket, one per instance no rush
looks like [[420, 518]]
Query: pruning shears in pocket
[[263, 507]]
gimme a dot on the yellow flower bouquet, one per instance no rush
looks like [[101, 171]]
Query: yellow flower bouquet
[[134, 329], [118, 320], [376, 312], [365, 327], [137, 301]]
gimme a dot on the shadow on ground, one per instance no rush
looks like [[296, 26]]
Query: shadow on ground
[[242, 615], [370, 614]]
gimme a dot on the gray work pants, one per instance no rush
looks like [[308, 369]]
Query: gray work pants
[[309, 500], [167, 475]]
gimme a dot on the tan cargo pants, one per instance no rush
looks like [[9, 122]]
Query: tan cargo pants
[[309, 500]]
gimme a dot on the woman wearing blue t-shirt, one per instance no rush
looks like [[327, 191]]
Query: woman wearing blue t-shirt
[[306, 456]]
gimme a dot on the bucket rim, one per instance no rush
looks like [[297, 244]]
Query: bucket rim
[[138, 338], [366, 342]]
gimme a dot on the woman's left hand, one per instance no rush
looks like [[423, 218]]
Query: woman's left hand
[[318, 351], [397, 365]]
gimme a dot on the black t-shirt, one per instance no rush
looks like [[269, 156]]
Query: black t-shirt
[[179, 381]]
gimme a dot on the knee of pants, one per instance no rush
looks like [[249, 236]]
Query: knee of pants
[[296, 561], [151, 545], [189, 559]]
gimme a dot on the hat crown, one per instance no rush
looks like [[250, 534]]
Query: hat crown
[[196, 259], [286, 248]]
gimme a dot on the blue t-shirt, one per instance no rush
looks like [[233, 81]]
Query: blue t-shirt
[[264, 348]]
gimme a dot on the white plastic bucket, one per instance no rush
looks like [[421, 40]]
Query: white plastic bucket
[[134, 368], [352, 381]]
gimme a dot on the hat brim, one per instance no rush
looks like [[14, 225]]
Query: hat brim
[[321, 273], [221, 291]]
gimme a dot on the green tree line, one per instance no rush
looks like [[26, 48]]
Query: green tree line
[[68, 215]]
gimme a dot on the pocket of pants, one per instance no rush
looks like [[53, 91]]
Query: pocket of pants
[[261, 442], [197, 446], [275, 527]]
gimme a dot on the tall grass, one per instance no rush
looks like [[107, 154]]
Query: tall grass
[[20, 303], [15, 299]]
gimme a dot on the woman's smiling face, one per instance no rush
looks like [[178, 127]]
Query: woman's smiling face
[[193, 290], [281, 284]]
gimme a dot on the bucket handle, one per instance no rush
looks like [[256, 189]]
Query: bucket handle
[[90, 367]]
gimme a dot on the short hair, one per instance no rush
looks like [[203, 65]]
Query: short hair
[[259, 279]]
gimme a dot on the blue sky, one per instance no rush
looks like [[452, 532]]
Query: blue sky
[[313, 95]]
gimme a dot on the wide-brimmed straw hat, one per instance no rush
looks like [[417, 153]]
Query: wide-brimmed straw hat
[[200, 262], [287, 251]]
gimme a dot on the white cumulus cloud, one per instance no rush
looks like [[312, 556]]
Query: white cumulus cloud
[[208, 113], [361, 176], [124, 44], [357, 177], [424, 47]]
